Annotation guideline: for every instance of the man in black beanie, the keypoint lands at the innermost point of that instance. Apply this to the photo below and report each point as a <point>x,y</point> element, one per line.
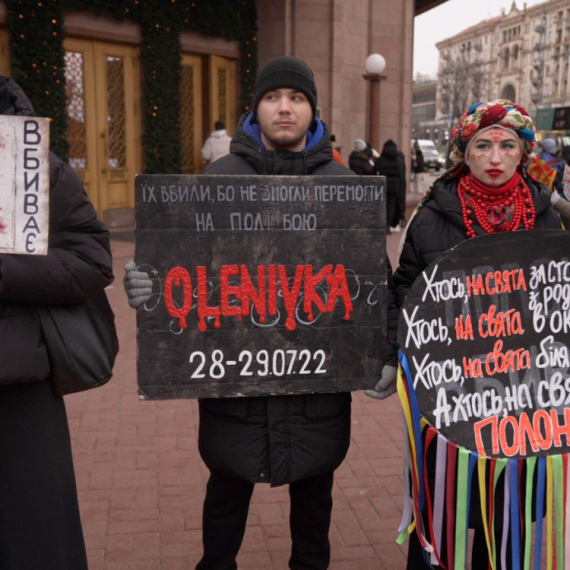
<point>299,439</point>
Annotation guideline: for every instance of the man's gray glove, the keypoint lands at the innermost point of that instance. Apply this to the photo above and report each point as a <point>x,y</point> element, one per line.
<point>138,286</point>
<point>386,386</point>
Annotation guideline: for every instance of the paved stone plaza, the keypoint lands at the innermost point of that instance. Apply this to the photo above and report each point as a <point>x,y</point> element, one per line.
<point>141,481</point>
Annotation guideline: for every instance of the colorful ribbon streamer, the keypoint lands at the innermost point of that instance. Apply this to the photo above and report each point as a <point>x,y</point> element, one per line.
<point>462,510</point>
<point>452,450</point>
<point>405,391</point>
<point>515,513</point>
<point>439,494</point>
<point>481,471</point>
<point>558,468</point>
<point>506,517</point>
<point>541,477</point>
<point>566,514</point>
<point>549,521</point>
<point>530,467</point>
<point>451,505</point>
<point>499,468</point>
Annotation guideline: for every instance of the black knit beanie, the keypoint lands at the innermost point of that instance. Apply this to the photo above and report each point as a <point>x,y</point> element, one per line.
<point>285,73</point>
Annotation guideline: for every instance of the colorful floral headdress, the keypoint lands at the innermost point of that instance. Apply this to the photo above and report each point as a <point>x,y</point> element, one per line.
<point>500,112</point>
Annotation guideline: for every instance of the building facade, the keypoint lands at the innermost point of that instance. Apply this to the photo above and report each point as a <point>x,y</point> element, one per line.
<point>425,125</point>
<point>521,55</point>
<point>107,101</point>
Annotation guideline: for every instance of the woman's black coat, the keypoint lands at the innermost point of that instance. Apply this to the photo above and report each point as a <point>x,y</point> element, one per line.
<point>439,226</point>
<point>388,164</point>
<point>78,265</point>
<point>359,163</point>
<point>433,230</point>
<point>40,525</point>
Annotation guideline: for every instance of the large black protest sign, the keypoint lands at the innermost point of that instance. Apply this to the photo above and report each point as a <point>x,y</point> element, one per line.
<point>262,285</point>
<point>486,334</point>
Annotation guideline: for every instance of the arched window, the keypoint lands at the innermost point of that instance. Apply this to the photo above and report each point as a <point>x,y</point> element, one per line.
<point>508,92</point>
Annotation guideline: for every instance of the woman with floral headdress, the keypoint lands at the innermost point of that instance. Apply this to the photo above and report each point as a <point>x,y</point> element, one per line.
<point>487,191</point>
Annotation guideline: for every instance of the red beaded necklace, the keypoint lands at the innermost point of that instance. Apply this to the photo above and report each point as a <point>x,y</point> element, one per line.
<point>496,209</point>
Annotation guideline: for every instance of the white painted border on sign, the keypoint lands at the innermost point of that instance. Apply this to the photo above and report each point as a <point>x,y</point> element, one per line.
<point>24,185</point>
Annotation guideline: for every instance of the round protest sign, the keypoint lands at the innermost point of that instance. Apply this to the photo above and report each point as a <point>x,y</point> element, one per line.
<point>485,331</point>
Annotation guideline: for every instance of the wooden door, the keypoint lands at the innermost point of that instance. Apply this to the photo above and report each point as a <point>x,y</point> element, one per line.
<point>104,133</point>
<point>223,92</point>
<point>191,113</point>
<point>116,69</point>
<point>81,113</point>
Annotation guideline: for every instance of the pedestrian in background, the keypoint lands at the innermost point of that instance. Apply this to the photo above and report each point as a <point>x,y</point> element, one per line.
<point>371,153</point>
<point>389,165</point>
<point>399,218</point>
<point>40,526</point>
<point>358,160</point>
<point>336,151</point>
<point>548,153</point>
<point>217,144</point>
<point>561,203</point>
<point>560,198</point>
<point>419,168</point>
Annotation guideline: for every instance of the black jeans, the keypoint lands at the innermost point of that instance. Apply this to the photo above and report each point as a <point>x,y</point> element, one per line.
<point>225,514</point>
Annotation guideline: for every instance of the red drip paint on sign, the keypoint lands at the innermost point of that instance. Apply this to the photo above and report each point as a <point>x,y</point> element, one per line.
<point>178,277</point>
<point>203,309</point>
<point>248,291</point>
<point>290,296</point>
<point>310,295</point>
<point>339,288</point>
<point>235,299</point>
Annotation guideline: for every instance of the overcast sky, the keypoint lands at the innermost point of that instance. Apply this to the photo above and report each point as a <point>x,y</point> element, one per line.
<point>449,19</point>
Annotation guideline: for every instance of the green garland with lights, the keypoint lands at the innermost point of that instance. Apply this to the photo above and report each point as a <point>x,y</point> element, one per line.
<point>36,37</point>
<point>161,60</point>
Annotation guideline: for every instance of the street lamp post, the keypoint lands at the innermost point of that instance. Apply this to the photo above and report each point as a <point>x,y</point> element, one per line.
<point>375,65</point>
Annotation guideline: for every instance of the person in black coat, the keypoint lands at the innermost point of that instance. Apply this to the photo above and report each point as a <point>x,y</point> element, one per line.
<point>388,164</point>
<point>400,213</point>
<point>40,527</point>
<point>489,148</point>
<point>358,160</point>
<point>298,439</point>
<point>419,164</point>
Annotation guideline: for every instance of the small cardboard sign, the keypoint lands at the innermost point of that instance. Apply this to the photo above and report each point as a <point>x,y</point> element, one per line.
<point>486,334</point>
<point>262,284</point>
<point>24,185</point>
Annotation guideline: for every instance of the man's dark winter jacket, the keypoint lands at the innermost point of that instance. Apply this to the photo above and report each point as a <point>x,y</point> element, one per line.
<point>280,439</point>
<point>359,163</point>
<point>78,266</point>
<point>439,226</point>
<point>388,164</point>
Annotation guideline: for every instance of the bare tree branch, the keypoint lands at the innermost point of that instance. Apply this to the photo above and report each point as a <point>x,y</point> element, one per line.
<point>460,85</point>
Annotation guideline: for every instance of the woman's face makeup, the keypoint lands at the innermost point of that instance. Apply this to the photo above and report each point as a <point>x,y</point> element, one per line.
<point>493,156</point>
